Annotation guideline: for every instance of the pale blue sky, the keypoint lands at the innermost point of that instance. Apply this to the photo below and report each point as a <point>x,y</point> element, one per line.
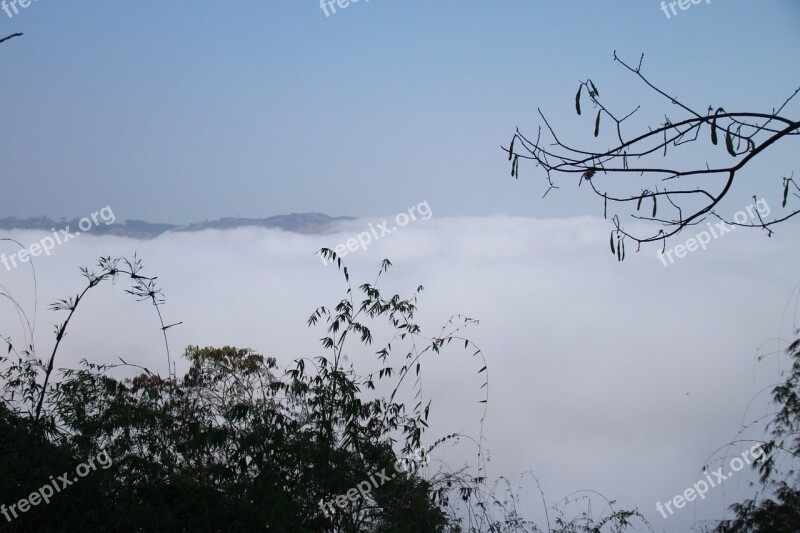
<point>182,111</point>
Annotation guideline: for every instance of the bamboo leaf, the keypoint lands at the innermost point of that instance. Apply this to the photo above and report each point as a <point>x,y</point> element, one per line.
<point>597,124</point>
<point>578,99</point>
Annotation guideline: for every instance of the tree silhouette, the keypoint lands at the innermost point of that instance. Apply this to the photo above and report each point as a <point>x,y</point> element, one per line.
<point>237,444</point>
<point>670,196</point>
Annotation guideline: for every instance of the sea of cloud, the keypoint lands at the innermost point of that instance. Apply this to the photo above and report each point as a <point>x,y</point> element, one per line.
<point>622,378</point>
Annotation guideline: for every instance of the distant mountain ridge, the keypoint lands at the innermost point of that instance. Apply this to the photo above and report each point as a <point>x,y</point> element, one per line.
<point>139,229</point>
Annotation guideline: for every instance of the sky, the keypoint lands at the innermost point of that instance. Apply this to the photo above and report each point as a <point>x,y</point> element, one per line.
<point>621,378</point>
<point>177,112</point>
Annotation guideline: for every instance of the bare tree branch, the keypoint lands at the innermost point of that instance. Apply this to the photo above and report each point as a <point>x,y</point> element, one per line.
<point>4,39</point>
<point>744,135</point>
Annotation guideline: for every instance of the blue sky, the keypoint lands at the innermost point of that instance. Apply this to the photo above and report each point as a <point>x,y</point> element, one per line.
<point>180,112</point>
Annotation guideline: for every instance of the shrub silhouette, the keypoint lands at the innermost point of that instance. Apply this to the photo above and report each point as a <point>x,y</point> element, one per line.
<point>238,444</point>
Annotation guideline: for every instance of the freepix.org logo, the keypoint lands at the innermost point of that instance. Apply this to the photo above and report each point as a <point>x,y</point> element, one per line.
<point>14,5</point>
<point>363,239</point>
<point>683,5</point>
<point>408,464</point>
<point>700,488</point>
<point>55,486</point>
<point>759,209</point>
<point>329,6</point>
<point>46,244</point>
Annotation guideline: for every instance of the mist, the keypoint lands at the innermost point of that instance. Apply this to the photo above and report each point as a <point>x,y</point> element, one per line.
<point>621,378</point>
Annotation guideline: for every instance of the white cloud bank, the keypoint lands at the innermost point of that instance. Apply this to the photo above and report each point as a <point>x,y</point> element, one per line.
<point>617,377</point>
